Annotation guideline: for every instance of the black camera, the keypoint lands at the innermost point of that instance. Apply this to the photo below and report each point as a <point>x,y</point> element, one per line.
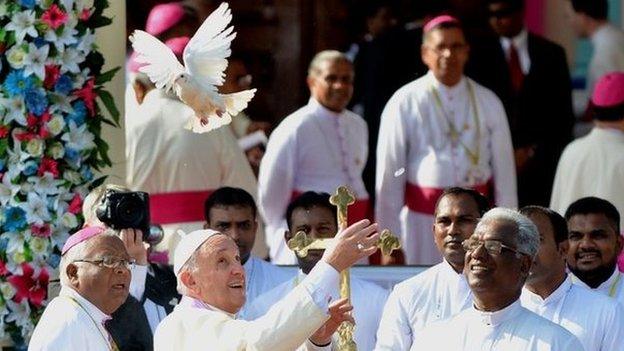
<point>123,210</point>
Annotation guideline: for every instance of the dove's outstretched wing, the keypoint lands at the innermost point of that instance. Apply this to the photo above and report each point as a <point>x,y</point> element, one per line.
<point>205,56</point>
<point>234,104</point>
<point>162,66</point>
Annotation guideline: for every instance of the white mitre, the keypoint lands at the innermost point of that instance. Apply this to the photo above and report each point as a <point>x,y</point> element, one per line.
<point>188,245</point>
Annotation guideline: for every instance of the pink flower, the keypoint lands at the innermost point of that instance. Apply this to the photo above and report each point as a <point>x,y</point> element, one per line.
<point>54,17</point>
<point>88,95</point>
<point>75,206</point>
<point>4,132</point>
<point>85,14</point>
<point>48,165</point>
<point>30,287</point>
<point>3,269</point>
<point>52,74</point>
<point>42,231</point>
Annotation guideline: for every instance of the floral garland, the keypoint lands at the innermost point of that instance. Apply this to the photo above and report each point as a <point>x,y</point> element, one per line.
<point>50,124</point>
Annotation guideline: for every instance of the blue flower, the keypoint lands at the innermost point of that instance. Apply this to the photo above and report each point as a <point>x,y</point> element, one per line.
<point>27,3</point>
<point>54,260</point>
<point>73,157</point>
<point>64,85</point>
<point>36,101</point>
<point>39,42</point>
<point>2,164</point>
<point>17,84</point>
<point>4,242</point>
<point>86,173</point>
<point>79,114</point>
<point>30,168</point>
<point>14,219</point>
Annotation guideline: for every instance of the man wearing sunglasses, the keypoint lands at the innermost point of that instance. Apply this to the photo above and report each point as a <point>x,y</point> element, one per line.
<point>498,259</point>
<point>95,279</point>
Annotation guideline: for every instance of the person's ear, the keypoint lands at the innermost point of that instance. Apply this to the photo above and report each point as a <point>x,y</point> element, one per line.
<point>525,267</point>
<point>287,235</point>
<point>563,249</point>
<point>206,225</point>
<point>189,281</point>
<point>71,271</point>
<point>619,243</point>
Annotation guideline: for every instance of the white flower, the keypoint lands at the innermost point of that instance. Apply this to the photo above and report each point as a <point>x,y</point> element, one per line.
<point>57,151</point>
<point>65,38</point>
<point>15,110</point>
<point>17,156</point>
<point>58,235</point>
<point>85,44</point>
<point>3,12</point>
<point>69,60</point>
<point>72,176</point>
<point>19,312</point>
<point>15,56</point>
<point>55,126</point>
<point>68,5</point>
<point>15,243</point>
<point>36,209</point>
<point>35,147</point>
<point>7,290</point>
<point>61,103</point>
<point>22,23</point>
<point>8,190</point>
<point>39,246</point>
<point>35,60</point>
<point>69,220</point>
<point>46,184</point>
<point>81,78</point>
<point>78,138</point>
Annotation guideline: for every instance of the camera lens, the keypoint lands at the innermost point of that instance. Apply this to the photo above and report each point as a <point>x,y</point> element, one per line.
<point>130,210</point>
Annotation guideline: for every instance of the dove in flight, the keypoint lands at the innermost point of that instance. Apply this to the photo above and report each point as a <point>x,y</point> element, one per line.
<point>196,82</point>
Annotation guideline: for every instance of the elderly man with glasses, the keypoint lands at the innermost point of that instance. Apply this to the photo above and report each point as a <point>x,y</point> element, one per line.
<point>95,279</point>
<point>498,260</point>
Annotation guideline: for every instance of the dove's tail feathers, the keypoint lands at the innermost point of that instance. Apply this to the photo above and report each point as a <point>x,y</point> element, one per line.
<point>236,102</point>
<point>194,123</point>
<point>162,67</point>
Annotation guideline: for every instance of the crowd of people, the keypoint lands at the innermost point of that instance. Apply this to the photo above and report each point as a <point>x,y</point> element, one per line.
<point>474,167</point>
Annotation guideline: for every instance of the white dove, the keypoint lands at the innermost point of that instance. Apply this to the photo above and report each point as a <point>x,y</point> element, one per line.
<point>195,83</point>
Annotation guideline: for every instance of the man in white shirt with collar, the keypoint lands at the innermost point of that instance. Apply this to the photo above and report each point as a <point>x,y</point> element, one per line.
<point>596,320</point>
<point>498,259</point>
<point>319,147</point>
<point>439,131</point>
<point>442,290</point>
<point>312,213</point>
<point>212,280</point>
<point>595,243</point>
<point>95,278</point>
<point>233,212</point>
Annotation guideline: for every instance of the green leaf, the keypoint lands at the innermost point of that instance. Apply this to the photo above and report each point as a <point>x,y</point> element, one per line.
<point>102,149</point>
<point>2,34</point>
<point>4,144</point>
<point>106,76</point>
<point>97,182</point>
<point>109,103</point>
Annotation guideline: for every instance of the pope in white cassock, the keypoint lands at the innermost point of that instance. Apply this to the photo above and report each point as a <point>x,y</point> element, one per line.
<point>498,259</point>
<point>438,131</point>
<point>442,290</point>
<point>319,147</point>
<point>95,278</point>
<point>312,213</point>
<point>212,280</point>
<point>596,320</point>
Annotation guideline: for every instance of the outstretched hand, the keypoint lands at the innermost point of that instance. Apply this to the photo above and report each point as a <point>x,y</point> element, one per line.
<point>352,244</point>
<point>339,312</point>
<point>133,241</point>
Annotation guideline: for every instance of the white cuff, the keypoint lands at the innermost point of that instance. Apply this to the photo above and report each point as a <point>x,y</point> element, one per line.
<point>137,283</point>
<point>322,281</point>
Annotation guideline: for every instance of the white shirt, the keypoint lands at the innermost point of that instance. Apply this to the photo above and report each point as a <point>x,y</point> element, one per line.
<point>195,326</point>
<point>71,323</point>
<point>520,42</point>
<point>415,147</point>
<point>312,149</point>
<point>591,166</point>
<point>154,312</point>
<point>612,287</point>
<point>514,328</point>
<point>597,321</point>
<point>435,294</point>
<point>367,300</point>
<point>260,277</point>
<point>608,54</point>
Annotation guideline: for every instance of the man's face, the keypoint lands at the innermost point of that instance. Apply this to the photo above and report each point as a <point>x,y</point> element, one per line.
<point>577,20</point>
<point>550,259</point>
<point>106,288</point>
<point>505,20</point>
<point>380,22</point>
<point>498,275</point>
<point>219,279</point>
<point>318,223</point>
<point>455,220</point>
<point>332,86</point>
<point>237,222</point>
<point>445,52</point>
<point>593,243</point>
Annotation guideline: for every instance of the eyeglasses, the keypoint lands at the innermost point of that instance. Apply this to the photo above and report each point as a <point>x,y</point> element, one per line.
<point>112,262</point>
<point>493,247</point>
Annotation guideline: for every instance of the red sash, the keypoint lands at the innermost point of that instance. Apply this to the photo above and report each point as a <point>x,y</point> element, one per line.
<point>178,207</point>
<point>423,199</point>
<point>359,210</point>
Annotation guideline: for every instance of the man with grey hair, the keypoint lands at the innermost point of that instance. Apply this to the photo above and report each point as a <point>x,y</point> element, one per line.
<point>498,259</point>
<point>317,148</point>
<point>95,278</point>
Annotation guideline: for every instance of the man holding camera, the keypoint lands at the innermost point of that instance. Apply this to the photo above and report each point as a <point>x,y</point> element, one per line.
<point>153,286</point>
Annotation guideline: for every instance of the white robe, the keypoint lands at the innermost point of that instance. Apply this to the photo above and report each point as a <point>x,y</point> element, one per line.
<point>312,149</point>
<point>597,321</point>
<point>71,323</point>
<point>197,326</point>
<point>367,300</point>
<point>612,287</point>
<point>591,166</point>
<point>435,294</point>
<point>415,148</point>
<point>260,277</point>
<point>163,157</point>
<point>513,328</point>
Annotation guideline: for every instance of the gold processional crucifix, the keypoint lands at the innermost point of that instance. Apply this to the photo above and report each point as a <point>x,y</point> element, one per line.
<point>301,243</point>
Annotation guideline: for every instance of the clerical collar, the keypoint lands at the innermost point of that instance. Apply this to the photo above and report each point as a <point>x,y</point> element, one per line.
<point>322,111</point>
<point>608,287</point>
<point>497,317</point>
<point>191,302</point>
<point>93,311</point>
<point>445,90</point>
<point>554,297</point>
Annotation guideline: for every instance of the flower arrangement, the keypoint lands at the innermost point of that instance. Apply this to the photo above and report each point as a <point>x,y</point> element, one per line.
<point>50,122</point>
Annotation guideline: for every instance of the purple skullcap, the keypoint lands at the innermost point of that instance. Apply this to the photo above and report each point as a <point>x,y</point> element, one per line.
<point>163,17</point>
<point>609,91</point>
<point>81,236</point>
<point>438,21</point>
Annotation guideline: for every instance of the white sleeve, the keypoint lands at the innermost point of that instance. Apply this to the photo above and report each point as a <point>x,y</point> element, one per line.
<point>137,281</point>
<point>391,166</point>
<point>613,329</point>
<point>558,197</point>
<point>395,332</point>
<point>503,161</point>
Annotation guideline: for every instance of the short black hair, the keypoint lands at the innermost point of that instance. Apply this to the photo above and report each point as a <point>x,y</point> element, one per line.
<point>514,4</point>
<point>372,7</point>
<point>558,223</point>
<point>228,196</point>
<point>596,9</point>
<point>594,205</point>
<point>483,205</point>
<point>613,113</point>
<point>308,200</point>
